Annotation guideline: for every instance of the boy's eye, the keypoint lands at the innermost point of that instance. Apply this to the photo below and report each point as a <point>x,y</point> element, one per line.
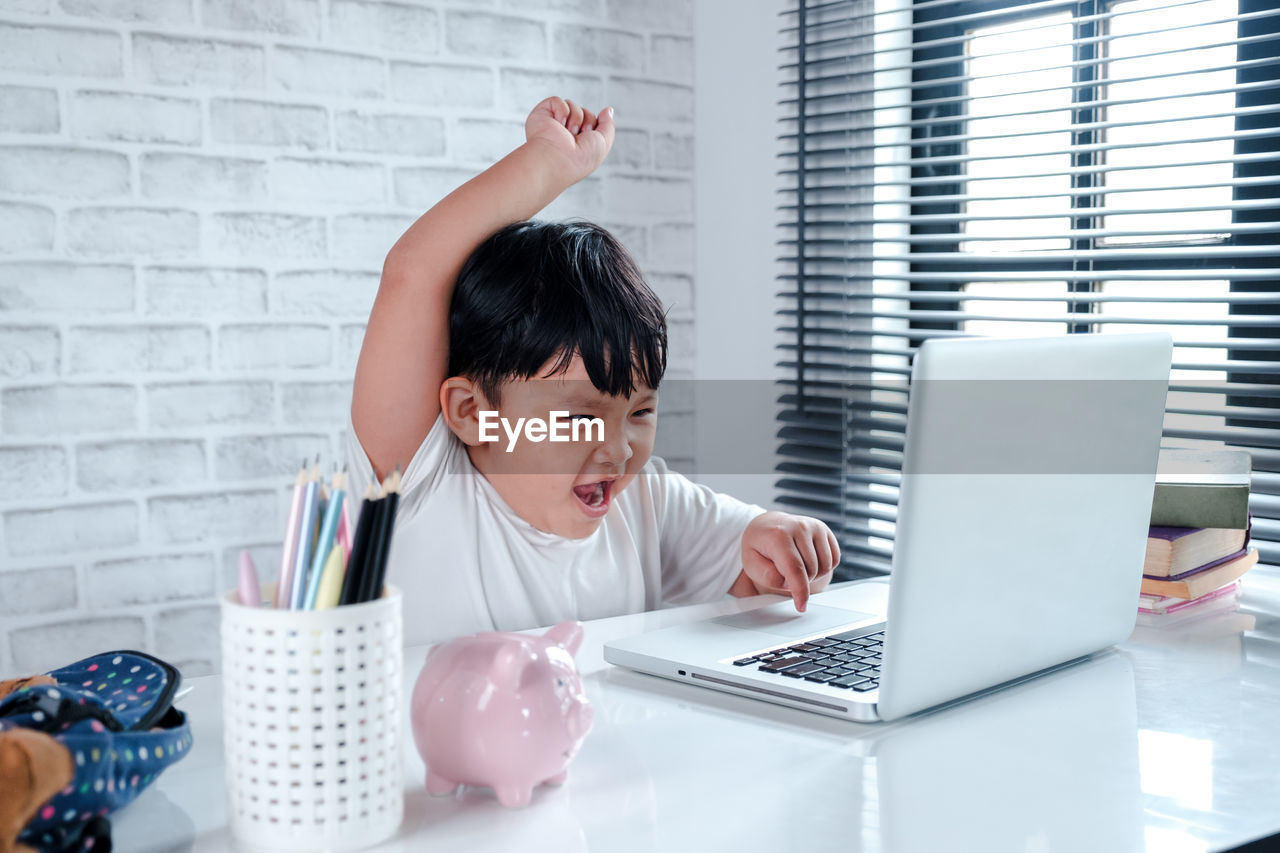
<point>640,413</point>
<point>581,417</point>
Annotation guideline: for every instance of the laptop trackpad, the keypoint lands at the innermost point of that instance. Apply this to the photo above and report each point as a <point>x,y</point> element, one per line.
<point>782,620</point>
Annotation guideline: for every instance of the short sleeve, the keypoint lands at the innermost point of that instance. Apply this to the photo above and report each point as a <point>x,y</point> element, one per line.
<point>700,531</point>
<point>438,455</point>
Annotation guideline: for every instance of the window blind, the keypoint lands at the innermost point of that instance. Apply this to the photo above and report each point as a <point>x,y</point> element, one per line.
<point>994,167</point>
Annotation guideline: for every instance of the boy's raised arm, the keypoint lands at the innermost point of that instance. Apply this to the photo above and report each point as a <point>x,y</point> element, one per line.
<point>406,345</point>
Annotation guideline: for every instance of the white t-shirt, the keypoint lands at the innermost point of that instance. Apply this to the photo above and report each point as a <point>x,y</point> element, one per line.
<point>466,562</point>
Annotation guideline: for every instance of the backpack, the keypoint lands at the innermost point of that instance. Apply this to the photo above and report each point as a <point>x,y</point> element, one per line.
<point>113,715</point>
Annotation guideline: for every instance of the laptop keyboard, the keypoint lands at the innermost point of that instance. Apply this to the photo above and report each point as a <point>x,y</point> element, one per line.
<point>850,660</point>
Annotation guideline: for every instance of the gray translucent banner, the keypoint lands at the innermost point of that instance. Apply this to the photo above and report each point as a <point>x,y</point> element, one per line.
<point>958,426</point>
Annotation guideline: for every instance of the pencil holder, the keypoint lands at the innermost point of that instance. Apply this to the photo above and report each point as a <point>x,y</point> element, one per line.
<point>311,709</point>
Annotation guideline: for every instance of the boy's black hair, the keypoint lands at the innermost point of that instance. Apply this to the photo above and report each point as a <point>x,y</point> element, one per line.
<point>534,291</point>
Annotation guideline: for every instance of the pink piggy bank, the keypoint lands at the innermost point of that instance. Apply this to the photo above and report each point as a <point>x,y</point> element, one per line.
<point>501,709</point>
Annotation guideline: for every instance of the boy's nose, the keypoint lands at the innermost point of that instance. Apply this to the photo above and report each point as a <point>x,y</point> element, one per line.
<point>615,449</point>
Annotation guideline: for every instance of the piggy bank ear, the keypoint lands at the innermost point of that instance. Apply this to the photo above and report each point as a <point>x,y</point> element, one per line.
<point>566,635</point>
<point>508,667</point>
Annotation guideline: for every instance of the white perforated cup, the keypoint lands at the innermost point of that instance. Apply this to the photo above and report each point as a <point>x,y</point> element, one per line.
<point>311,710</point>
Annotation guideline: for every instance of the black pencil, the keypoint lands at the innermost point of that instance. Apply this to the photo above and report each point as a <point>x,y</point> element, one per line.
<point>353,578</point>
<point>375,569</point>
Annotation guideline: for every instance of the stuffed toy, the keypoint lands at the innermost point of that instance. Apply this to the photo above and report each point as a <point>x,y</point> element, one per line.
<point>33,767</point>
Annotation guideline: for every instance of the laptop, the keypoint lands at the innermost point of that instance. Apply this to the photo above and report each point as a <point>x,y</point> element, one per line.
<point>1028,469</point>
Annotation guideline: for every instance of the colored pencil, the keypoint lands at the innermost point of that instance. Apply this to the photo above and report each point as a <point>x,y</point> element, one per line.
<point>289,552</point>
<point>344,531</point>
<point>306,538</point>
<point>331,583</point>
<point>250,592</point>
<point>324,541</point>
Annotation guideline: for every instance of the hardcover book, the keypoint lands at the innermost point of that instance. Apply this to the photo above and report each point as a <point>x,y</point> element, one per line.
<point>1202,488</point>
<point>1203,580</point>
<point>1166,604</point>
<point>1176,551</point>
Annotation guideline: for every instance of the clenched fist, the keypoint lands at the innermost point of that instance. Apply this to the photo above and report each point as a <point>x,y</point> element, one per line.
<point>578,136</point>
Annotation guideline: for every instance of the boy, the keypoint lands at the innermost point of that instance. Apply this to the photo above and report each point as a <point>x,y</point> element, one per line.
<point>483,318</point>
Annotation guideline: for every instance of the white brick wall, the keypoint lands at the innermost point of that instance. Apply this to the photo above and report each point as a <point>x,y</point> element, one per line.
<point>195,200</point>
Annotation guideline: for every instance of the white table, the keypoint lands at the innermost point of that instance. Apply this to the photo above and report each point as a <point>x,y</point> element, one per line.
<point>1169,743</point>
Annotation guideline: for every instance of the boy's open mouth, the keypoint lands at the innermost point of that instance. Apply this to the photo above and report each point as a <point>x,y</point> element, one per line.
<point>594,497</point>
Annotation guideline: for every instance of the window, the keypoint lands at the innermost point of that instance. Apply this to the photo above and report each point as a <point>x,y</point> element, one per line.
<point>1005,167</point>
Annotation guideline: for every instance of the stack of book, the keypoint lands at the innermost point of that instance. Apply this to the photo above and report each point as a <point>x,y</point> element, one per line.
<point>1198,544</point>
<point>1186,565</point>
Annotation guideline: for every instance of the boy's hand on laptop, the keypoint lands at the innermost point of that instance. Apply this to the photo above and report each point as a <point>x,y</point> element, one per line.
<point>579,137</point>
<point>788,554</point>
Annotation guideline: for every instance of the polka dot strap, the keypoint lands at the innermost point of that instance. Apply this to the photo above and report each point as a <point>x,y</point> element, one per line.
<point>52,709</point>
<point>136,687</point>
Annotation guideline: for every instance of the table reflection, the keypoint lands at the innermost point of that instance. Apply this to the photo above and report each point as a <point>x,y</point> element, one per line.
<point>992,767</point>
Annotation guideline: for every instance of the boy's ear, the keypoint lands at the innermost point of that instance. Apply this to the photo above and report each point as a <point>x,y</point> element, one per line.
<point>461,402</point>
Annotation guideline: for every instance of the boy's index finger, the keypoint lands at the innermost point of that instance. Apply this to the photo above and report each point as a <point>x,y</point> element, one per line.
<point>790,565</point>
<point>800,594</point>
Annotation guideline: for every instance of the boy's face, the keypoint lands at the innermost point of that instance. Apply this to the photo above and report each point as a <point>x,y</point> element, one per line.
<point>566,488</point>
